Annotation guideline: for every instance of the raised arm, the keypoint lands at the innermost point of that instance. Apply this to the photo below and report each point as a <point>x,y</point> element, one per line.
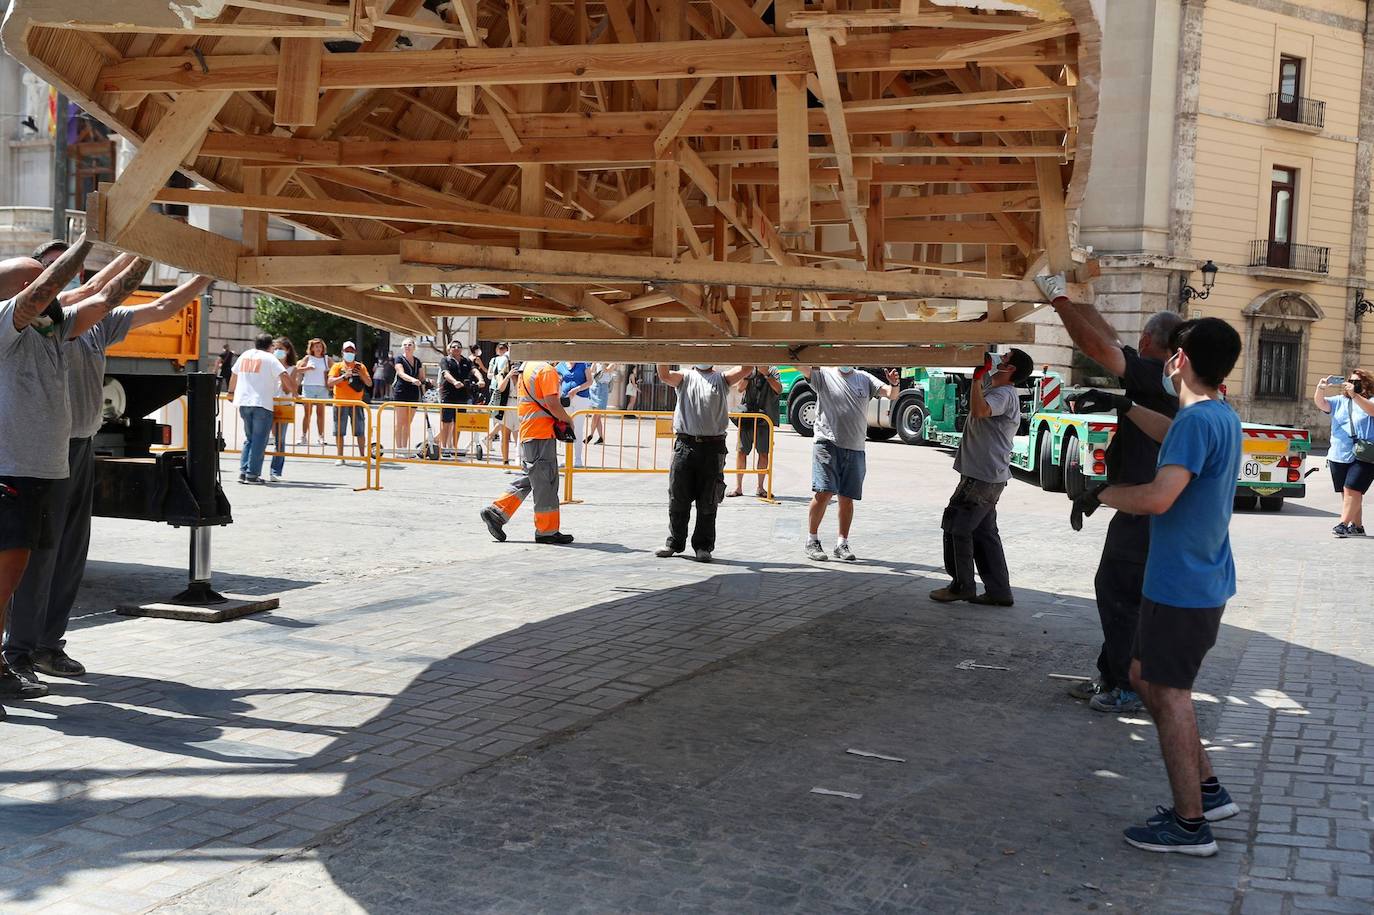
<point>670,378</point>
<point>893,386</point>
<point>169,303</point>
<point>1088,330</point>
<point>737,374</point>
<point>1364,403</point>
<point>43,291</point>
<point>94,284</point>
<point>91,311</point>
<point>1319,398</point>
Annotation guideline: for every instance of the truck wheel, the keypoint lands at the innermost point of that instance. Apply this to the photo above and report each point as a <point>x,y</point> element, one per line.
<point>1271,503</point>
<point>1245,502</point>
<point>1051,474</point>
<point>879,434</point>
<point>1072,463</point>
<point>801,413</point>
<point>911,421</point>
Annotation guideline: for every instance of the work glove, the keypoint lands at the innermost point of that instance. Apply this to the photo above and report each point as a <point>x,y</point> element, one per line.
<point>1085,505</point>
<point>983,369</point>
<point>1054,287</point>
<point>1095,401</point>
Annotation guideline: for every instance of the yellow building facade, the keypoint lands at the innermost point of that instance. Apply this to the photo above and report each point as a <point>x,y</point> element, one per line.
<point>1240,132</point>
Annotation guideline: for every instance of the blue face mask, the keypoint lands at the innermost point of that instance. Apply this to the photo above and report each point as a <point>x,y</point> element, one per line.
<point>704,368</point>
<point>846,368</point>
<point>279,353</point>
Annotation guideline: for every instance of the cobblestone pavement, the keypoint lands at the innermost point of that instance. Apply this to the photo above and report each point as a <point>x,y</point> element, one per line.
<point>434,722</point>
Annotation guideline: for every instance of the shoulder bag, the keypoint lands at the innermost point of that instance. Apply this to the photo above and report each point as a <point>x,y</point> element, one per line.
<point>561,430</point>
<point>1364,448</point>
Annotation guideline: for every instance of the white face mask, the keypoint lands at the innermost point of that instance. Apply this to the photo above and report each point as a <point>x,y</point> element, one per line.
<point>704,368</point>
<point>1168,381</point>
<point>348,357</point>
<point>279,353</point>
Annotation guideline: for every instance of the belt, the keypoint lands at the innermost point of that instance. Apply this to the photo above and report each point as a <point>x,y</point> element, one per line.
<point>701,439</point>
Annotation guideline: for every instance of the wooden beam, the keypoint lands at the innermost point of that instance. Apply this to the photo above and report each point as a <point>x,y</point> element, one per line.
<point>951,173</point>
<point>298,82</point>
<point>746,354</point>
<point>793,332</point>
<point>1054,221</point>
<point>579,298</point>
<point>794,167</point>
<point>666,180</point>
<point>176,135</point>
<point>980,232</point>
<point>1000,97</point>
<point>171,241</point>
<point>670,130</point>
<point>455,216</point>
<point>833,103</point>
<point>653,269</point>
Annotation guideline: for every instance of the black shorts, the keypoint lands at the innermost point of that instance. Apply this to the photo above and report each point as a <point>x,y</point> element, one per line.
<point>1170,642</point>
<point>26,521</point>
<point>753,436</point>
<point>1357,475</point>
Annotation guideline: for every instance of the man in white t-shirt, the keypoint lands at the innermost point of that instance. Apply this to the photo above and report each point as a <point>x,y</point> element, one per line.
<point>254,386</point>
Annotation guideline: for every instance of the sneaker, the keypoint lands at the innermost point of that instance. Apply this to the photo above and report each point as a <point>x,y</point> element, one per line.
<point>1084,690</point>
<point>274,478</point>
<point>340,463</point>
<point>1341,530</point>
<point>496,525</point>
<point>556,537</point>
<point>949,595</point>
<point>703,556</point>
<point>1354,530</point>
<point>478,452</point>
<point>243,478</point>
<point>815,551</point>
<point>844,553</point>
<point>20,682</point>
<point>3,714</point>
<point>1163,834</point>
<point>254,480</point>
<point>664,552</point>
<point>55,662</point>
<point>1219,805</point>
<point>1053,287</point>
<point>1117,701</point>
<point>986,601</point>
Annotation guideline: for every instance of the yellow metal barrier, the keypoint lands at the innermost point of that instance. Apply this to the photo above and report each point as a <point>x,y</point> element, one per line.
<point>479,421</point>
<point>646,438</point>
<point>232,432</point>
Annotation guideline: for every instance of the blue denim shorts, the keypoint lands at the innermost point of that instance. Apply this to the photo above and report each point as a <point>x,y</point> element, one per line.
<point>838,470</point>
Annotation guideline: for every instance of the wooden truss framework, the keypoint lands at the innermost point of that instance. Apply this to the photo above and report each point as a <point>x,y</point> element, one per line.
<point>643,176</point>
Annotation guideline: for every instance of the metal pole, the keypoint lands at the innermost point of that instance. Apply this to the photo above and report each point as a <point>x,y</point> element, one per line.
<point>200,558</point>
<point>59,171</point>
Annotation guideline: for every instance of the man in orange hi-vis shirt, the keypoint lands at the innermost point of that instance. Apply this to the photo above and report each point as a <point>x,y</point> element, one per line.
<point>539,407</point>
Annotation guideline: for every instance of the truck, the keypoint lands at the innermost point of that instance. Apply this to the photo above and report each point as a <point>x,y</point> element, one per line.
<point>903,416</point>
<point>138,474</point>
<point>1067,452</point>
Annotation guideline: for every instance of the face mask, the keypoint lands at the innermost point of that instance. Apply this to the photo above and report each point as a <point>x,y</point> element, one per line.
<point>348,357</point>
<point>846,368</point>
<point>704,368</point>
<point>279,353</point>
<point>1169,382</point>
<point>46,321</point>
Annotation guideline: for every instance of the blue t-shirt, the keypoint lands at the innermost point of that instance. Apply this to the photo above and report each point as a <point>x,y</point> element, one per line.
<point>571,375</point>
<point>1342,449</point>
<point>1190,563</point>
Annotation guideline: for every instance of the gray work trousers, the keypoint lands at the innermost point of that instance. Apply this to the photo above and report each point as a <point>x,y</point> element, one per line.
<point>972,541</point>
<point>43,604</point>
<point>539,475</point>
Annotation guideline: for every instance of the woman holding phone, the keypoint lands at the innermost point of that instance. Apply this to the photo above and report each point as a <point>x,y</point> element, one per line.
<point>313,368</point>
<point>1352,421</point>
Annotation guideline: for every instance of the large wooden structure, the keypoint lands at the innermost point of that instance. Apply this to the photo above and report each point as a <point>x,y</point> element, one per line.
<point>761,176</point>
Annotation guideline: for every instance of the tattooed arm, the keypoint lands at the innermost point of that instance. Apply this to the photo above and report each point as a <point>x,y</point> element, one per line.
<point>42,292</point>
<point>94,284</point>
<point>91,311</point>
<point>170,303</point>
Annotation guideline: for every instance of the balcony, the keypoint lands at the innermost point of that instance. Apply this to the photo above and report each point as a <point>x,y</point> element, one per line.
<point>1296,112</point>
<point>1281,259</point>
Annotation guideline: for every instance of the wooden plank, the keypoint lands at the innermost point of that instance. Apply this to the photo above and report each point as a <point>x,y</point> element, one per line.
<point>1054,221</point>
<point>1011,40</point>
<point>742,16</point>
<point>430,215</point>
<point>806,331</point>
<point>171,241</point>
<point>182,127</point>
<point>649,269</point>
<point>746,354</point>
<point>794,183</point>
<point>298,82</point>
<point>1000,97</point>
<point>670,130</point>
<point>833,103</point>
<point>578,297</point>
<point>981,232</point>
<point>267,151</point>
<point>666,181</point>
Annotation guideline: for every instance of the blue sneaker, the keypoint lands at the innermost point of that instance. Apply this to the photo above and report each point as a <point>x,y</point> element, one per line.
<point>1219,806</point>
<point>1162,833</point>
<point>1117,701</point>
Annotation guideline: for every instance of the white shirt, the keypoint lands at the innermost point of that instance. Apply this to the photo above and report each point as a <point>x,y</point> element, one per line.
<point>258,373</point>
<point>315,369</point>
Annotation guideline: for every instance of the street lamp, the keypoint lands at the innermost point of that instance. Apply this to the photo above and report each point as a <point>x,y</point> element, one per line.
<point>1209,279</point>
<point>1362,305</point>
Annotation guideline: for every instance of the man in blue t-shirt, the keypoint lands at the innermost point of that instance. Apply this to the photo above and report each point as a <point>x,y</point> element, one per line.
<point>1189,574</point>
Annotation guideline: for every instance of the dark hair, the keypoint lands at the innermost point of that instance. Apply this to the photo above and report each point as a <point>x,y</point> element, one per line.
<point>48,247</point>
<point>263,342</point>
<point>286,344</point>
<point>1212,346</point>
<point>1024,364</point>
<point>1365,385</point>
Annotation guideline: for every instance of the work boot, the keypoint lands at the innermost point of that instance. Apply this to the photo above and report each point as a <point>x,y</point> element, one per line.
<point>495,524</point>
<point>703,556</point>
<point>556,537</point>
<point>948,595</point>
<point>55,662</point>
<point>664,552</point>
<point>20,682</point>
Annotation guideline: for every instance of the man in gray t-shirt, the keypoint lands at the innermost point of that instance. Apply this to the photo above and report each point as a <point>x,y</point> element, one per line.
<point>697,474</point>
<point>838,462</point>
<point>983,462</point>
<point>43,603</point>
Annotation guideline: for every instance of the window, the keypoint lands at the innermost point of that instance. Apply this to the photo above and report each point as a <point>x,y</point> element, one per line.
<point>1283,184</point>
<point>1290,88</point>
<point>1280,356</point>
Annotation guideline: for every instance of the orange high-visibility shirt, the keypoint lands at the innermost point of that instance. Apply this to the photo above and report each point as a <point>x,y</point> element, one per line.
<point>538,380</point>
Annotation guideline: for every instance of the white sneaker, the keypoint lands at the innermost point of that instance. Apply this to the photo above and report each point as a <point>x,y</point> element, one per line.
<point>340,463</point>
<point>274,478</point>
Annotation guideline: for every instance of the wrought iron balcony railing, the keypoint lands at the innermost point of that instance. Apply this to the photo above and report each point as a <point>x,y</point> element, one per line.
<point>1287,256</point>
<point>1296,110</point>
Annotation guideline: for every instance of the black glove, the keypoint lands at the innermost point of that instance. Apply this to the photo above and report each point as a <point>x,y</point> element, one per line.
<point>1085,505</point>
<point>1095,401</point>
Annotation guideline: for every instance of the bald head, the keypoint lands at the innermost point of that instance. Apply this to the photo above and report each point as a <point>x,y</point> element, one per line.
<point>16,273</point>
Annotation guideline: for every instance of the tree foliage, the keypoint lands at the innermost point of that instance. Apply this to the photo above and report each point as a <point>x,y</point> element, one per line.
<point>300,323</point>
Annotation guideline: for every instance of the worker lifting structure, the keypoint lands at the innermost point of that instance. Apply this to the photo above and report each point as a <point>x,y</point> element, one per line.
<point>656,180</point>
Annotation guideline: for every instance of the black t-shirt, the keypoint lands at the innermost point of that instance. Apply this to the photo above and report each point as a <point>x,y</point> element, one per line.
<point>1132,455</point>
<point>460,369</point>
